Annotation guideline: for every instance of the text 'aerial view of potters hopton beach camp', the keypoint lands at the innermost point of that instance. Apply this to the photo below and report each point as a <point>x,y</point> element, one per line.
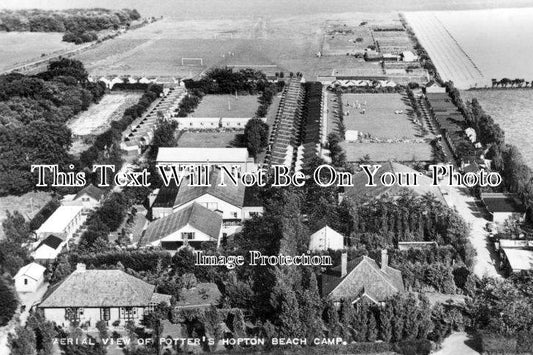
<point>266,177</point>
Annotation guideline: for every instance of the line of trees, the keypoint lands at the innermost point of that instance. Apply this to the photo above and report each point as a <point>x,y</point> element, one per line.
<point>79,25</point>
<point>506,158</point>
<point>106,146</point>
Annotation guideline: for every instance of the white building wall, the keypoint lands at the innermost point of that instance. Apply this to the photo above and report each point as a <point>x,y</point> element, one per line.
<point>92,316</point>
<point>228,211</point>
<point>325,242</point>
<point>31,285</point>
<point>176,236</point>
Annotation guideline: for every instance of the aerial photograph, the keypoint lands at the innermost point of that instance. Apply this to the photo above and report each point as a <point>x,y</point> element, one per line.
<point>266,177</point>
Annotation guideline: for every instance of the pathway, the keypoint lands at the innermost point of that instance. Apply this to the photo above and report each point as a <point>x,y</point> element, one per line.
<point>468,208</point>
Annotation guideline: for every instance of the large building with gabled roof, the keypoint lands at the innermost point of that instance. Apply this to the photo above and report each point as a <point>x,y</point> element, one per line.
<point>88,296</point>
<point>361,279</point>
<point>191,225</point>
<point>229,200</point>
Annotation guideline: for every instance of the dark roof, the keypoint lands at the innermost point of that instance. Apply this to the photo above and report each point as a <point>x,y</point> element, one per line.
<point>363,276</point>
<point>234,195</point>
<point>196,215</point>
<point>99,288</point>
<point>52,241</point>
<point>502,202</point>
<point>165,197</point>
<point>92,191</point>
<point>252,198</point>
<point>202,295</point>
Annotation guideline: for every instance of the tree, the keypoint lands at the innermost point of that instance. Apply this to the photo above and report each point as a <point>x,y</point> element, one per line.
<point>15,227</point>
<point>164,134</point>
<point>385,326</point>
<point>103,332</point>
<point>8,301</point>
<point>44,332</point>
<point>22,342</point>
<point>256,136</point>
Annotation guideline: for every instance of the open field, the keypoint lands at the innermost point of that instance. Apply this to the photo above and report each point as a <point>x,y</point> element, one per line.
<point>28,204</point>
<point>96,119</point>
<point>213,139</point>
<point>512,110</point>
<point>269,44</point>
<point>387,151</point>
<point>24,47</point>
<point>472,47</point>
<point>379,119</point>
<point>226,106</point>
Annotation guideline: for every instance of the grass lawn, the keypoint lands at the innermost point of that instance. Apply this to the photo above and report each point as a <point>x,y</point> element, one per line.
<point>226,106</point>
<point>379,119</point>
<point>212,139</point>
<point>28,204</point>
<point>380,152</point>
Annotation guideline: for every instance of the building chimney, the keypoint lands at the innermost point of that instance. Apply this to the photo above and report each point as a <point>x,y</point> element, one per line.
<point>80,267</point>
<point>344,264</point>
<point>384,260</point>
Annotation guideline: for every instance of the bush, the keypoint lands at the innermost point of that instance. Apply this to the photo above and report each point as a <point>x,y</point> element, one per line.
<point>8,301</point>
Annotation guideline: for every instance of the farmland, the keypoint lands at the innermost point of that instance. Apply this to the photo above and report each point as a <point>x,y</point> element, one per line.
<point>385,116</point>
<point>227,106</point>
<point>380,152</point>
<point>210,139</point>
<point>512,110</point>
<point>24,47</point>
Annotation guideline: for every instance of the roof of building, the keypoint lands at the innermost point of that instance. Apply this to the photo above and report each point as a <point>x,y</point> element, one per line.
<point>92,191</point>
<point>99,288</point>
<point>502,202</point>
<point>363,277</point>
<point>195,215</point>
<point>165,197</point>
<point>51,241</point>
<point>230,193</point>
<point>360,180</point>
<point>252,197</point>
<point>60,219</point>
<point>202,295</point>
<point>32,270</point>
<point>203,155</point>
<point>326,232</point>
<point>519,259</point>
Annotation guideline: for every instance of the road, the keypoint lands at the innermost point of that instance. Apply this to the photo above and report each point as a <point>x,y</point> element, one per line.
<point>457,343</point>
<point>467,207</point>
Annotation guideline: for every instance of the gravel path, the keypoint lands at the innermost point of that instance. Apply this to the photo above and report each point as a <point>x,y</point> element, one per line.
<point>467,207</point>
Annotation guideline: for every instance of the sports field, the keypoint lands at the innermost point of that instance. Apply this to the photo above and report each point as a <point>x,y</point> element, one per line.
<point>383,116</point>
<point>226,106</point>
<point>380,152</point>
<point>212,139</point>
<point>288,43</point>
